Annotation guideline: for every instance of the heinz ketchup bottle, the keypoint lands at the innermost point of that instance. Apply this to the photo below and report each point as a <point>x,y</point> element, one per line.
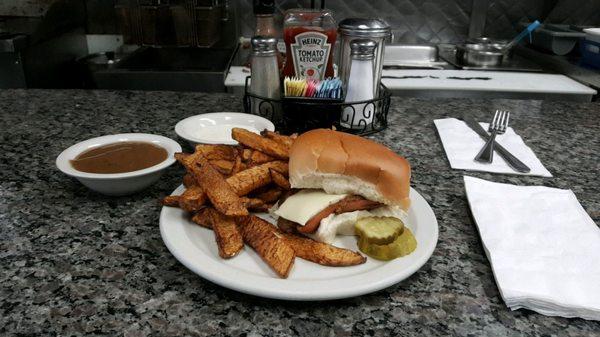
<point>309,36</point>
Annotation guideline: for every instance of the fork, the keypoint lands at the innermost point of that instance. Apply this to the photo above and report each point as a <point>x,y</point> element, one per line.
<point>497,126</point>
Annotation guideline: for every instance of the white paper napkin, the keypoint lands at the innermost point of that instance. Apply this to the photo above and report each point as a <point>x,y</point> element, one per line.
<point>543,247</point>
<point>462,145</point>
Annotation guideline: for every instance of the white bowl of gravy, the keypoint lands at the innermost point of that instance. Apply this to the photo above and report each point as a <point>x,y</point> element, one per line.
<point>119,164</point>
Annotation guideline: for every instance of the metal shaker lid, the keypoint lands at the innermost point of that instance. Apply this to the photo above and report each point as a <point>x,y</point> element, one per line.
<point>362,49</point>
<point>263,45</point>
<point>363,27</point>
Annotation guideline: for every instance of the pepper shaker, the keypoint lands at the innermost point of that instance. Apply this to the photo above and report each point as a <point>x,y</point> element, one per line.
<point>360,85</point>
<point>265,77</point>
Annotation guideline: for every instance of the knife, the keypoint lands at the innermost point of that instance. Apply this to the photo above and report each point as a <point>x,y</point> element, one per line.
<point>513,161</point>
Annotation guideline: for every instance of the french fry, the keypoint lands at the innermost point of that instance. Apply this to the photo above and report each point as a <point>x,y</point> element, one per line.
<point>189,180</point>
<point>270,195</point>
<point>224,167</point>
<point>209,151</point>
<point>221,194</point>
<point>248,180</point>
<point>246,154</point>
<point>171,201</point>
<point>254,141</point>
<point>183,158</point>
<point>286,141</point>
<point>216,152</point>
<point>242,183</point>
<point>255,204</point>
<point>192,199</point>
<point>257,158</point>
<point>322,253</point>
<point>238,166</point>
<point>268,243</point>
<point>228,237</point>
<point>202,218</point>
<point>279,179</point>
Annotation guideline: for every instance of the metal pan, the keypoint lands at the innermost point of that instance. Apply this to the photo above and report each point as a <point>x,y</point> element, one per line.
<point>494,43</point>
<point>479,54</point>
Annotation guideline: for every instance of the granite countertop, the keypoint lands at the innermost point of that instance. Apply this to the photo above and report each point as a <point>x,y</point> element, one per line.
<point>78,263</point>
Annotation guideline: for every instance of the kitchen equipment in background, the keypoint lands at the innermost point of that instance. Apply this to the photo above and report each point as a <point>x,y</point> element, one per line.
<point>175,36</point>
<point>38,49</point>
<point>592,34</point>
<point>362,28</point>
<point>207,23</point>
<point>590,47</point>
<point>360,85</point>
<point>496,43</point>
<point>192,23</point>
<point>486,52</point>
<point>95,62</point>
<point>526,32</point>
<point>557,39</point>
<point>412,56</point>
<point>479,55</point>
<point>265,76</point>
<point>168,68</point>
<point>511,63</point>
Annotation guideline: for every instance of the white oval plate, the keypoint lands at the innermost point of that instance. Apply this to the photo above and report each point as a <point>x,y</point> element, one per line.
<point>215,128</point>
<point>195,247</point>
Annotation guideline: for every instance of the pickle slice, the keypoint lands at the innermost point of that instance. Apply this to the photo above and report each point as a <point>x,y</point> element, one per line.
<point>379,230</point>
<point>404,244</point>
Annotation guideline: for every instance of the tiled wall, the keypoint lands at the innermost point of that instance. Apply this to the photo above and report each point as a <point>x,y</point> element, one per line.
<point>412,20</point>
<point>416,21</point>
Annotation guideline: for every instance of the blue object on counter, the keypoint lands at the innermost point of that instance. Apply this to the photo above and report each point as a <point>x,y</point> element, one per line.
<point>533,26</point>
<point>590,52</point>
<point>527,31</point>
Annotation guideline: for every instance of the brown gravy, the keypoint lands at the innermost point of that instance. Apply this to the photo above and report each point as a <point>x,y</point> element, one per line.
<point>119,157</point>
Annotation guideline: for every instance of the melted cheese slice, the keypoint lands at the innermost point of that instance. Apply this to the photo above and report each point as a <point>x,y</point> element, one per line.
<point>305,204</point>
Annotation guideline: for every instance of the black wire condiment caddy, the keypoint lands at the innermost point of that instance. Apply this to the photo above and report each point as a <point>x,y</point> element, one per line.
<point>300,114</point>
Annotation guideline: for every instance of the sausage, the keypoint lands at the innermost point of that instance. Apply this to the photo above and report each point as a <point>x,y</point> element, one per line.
<point>348,204</point>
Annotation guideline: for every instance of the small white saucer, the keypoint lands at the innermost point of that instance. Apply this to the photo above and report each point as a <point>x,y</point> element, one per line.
<point>215,128</point>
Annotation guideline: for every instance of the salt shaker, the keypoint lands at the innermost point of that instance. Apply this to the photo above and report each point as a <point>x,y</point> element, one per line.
<point>265,77</point>
<point>360,85</point>
<point>362,28</point>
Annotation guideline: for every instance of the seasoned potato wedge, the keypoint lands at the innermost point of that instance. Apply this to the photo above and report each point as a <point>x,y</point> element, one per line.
<point>248,180</point>
<point>279,179</point>
<point>286,141</point>
<point>171,201</point>
<point>228,237</point>
<point>268,243</point>
<point>322,253</point>
<point>220,193</point>
<point>254,141</point>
